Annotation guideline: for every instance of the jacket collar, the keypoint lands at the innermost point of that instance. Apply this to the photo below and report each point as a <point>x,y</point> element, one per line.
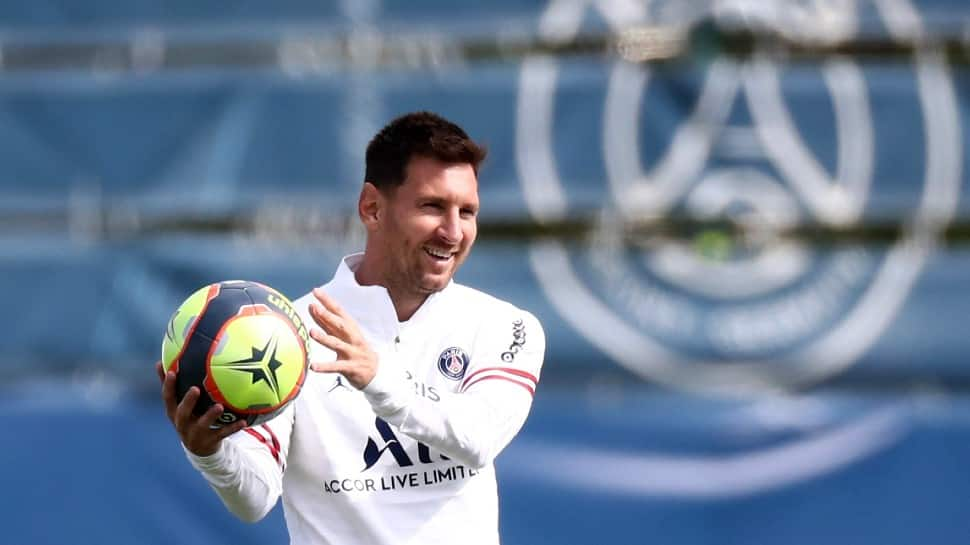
<point>371,306</point>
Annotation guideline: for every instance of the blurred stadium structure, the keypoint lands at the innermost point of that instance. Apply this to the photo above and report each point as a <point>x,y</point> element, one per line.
<point>742,224</point>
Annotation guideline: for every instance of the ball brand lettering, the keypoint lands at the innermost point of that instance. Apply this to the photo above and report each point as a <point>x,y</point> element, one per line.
<point>518,341</point>
<point>281,304</point>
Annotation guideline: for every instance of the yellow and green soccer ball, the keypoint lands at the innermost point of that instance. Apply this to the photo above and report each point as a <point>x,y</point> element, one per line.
<point>243,345</point>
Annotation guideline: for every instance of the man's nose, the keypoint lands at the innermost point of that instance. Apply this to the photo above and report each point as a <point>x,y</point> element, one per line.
<point>450,228</point>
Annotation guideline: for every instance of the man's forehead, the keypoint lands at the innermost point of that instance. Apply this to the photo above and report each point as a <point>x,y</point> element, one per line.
<point>422,166</point>
<point>458,178</point>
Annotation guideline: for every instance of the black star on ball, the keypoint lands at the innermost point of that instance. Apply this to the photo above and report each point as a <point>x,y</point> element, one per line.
<point>261,366</point>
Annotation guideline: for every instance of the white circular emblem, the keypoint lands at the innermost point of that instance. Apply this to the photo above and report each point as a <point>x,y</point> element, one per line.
<point>717,315</point>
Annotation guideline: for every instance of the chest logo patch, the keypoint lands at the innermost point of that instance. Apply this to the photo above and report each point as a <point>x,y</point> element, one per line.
<point>453,362</point>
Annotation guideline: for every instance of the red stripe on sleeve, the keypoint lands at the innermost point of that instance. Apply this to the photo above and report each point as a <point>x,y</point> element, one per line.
<point>510,370</point>
<point>276,443</point>
<point>273,449</point>
<point>531,390</point>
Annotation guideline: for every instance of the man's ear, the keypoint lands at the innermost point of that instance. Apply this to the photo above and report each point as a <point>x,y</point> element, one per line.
<point>370,205</point>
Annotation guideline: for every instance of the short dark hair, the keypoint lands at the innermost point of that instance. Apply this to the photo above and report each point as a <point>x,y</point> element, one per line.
<point>417,134</point>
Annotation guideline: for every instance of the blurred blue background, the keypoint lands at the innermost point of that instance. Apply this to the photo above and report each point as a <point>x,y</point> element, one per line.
<point>757,334</point>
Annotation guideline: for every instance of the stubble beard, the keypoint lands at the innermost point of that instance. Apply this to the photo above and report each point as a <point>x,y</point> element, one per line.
<point>407,280</point>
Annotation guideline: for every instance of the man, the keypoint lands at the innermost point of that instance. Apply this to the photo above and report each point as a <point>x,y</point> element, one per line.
<point>420,382</point>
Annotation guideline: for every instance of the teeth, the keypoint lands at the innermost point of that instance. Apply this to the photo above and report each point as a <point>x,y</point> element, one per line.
<point>438,253</point>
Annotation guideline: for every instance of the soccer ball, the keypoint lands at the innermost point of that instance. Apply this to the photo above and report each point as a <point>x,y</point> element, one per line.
<point>243,345</point>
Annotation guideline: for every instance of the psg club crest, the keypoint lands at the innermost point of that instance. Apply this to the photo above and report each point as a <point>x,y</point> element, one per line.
<point>453,362</point>
<point>727,140</point>
<point>761,311</point>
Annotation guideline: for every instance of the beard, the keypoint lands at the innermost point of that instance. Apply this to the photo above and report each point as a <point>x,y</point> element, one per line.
<point>410,276</point>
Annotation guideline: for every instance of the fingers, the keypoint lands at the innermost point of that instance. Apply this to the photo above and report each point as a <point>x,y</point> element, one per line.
<point>226,431</point>
<point>168,395</point>
<point>328,315</point>
<point>328,303</point>
<point>329,321</point>
<point>197,433</point>
<point>207,423</point>
<point>211,415</point>
<point>340,333</point>
<point>328,367</point>
<point>358,377</point>
<point>183,413</point>
<point>341,347</point>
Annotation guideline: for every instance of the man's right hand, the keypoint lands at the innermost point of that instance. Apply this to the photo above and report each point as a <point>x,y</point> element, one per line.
<point>195,431</point>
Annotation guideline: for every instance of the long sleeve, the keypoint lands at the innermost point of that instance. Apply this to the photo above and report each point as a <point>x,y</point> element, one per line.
<point>247,470</point>
<point>475,423</point>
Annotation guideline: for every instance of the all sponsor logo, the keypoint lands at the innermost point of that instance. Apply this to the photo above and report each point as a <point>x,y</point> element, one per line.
<point>421,468</point>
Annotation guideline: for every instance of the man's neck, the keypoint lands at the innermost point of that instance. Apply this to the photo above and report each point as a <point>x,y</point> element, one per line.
<point>405,302</point>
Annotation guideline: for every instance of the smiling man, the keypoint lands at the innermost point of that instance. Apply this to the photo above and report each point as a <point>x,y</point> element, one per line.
<point>421,230</point>
<point>441,376</point>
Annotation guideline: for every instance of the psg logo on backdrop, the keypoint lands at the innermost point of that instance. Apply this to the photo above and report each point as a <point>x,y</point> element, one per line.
<point>727,140</point>
<point>453,362</point>
<point>711,311</point>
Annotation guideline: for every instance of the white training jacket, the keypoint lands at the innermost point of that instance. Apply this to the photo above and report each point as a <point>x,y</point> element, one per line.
<point>409,458</point>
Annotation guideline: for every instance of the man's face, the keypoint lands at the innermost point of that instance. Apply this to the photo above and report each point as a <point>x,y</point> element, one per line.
<point>428,226</point>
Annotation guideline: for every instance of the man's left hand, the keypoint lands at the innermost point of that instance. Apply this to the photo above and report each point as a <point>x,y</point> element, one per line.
<point>340,333</point>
